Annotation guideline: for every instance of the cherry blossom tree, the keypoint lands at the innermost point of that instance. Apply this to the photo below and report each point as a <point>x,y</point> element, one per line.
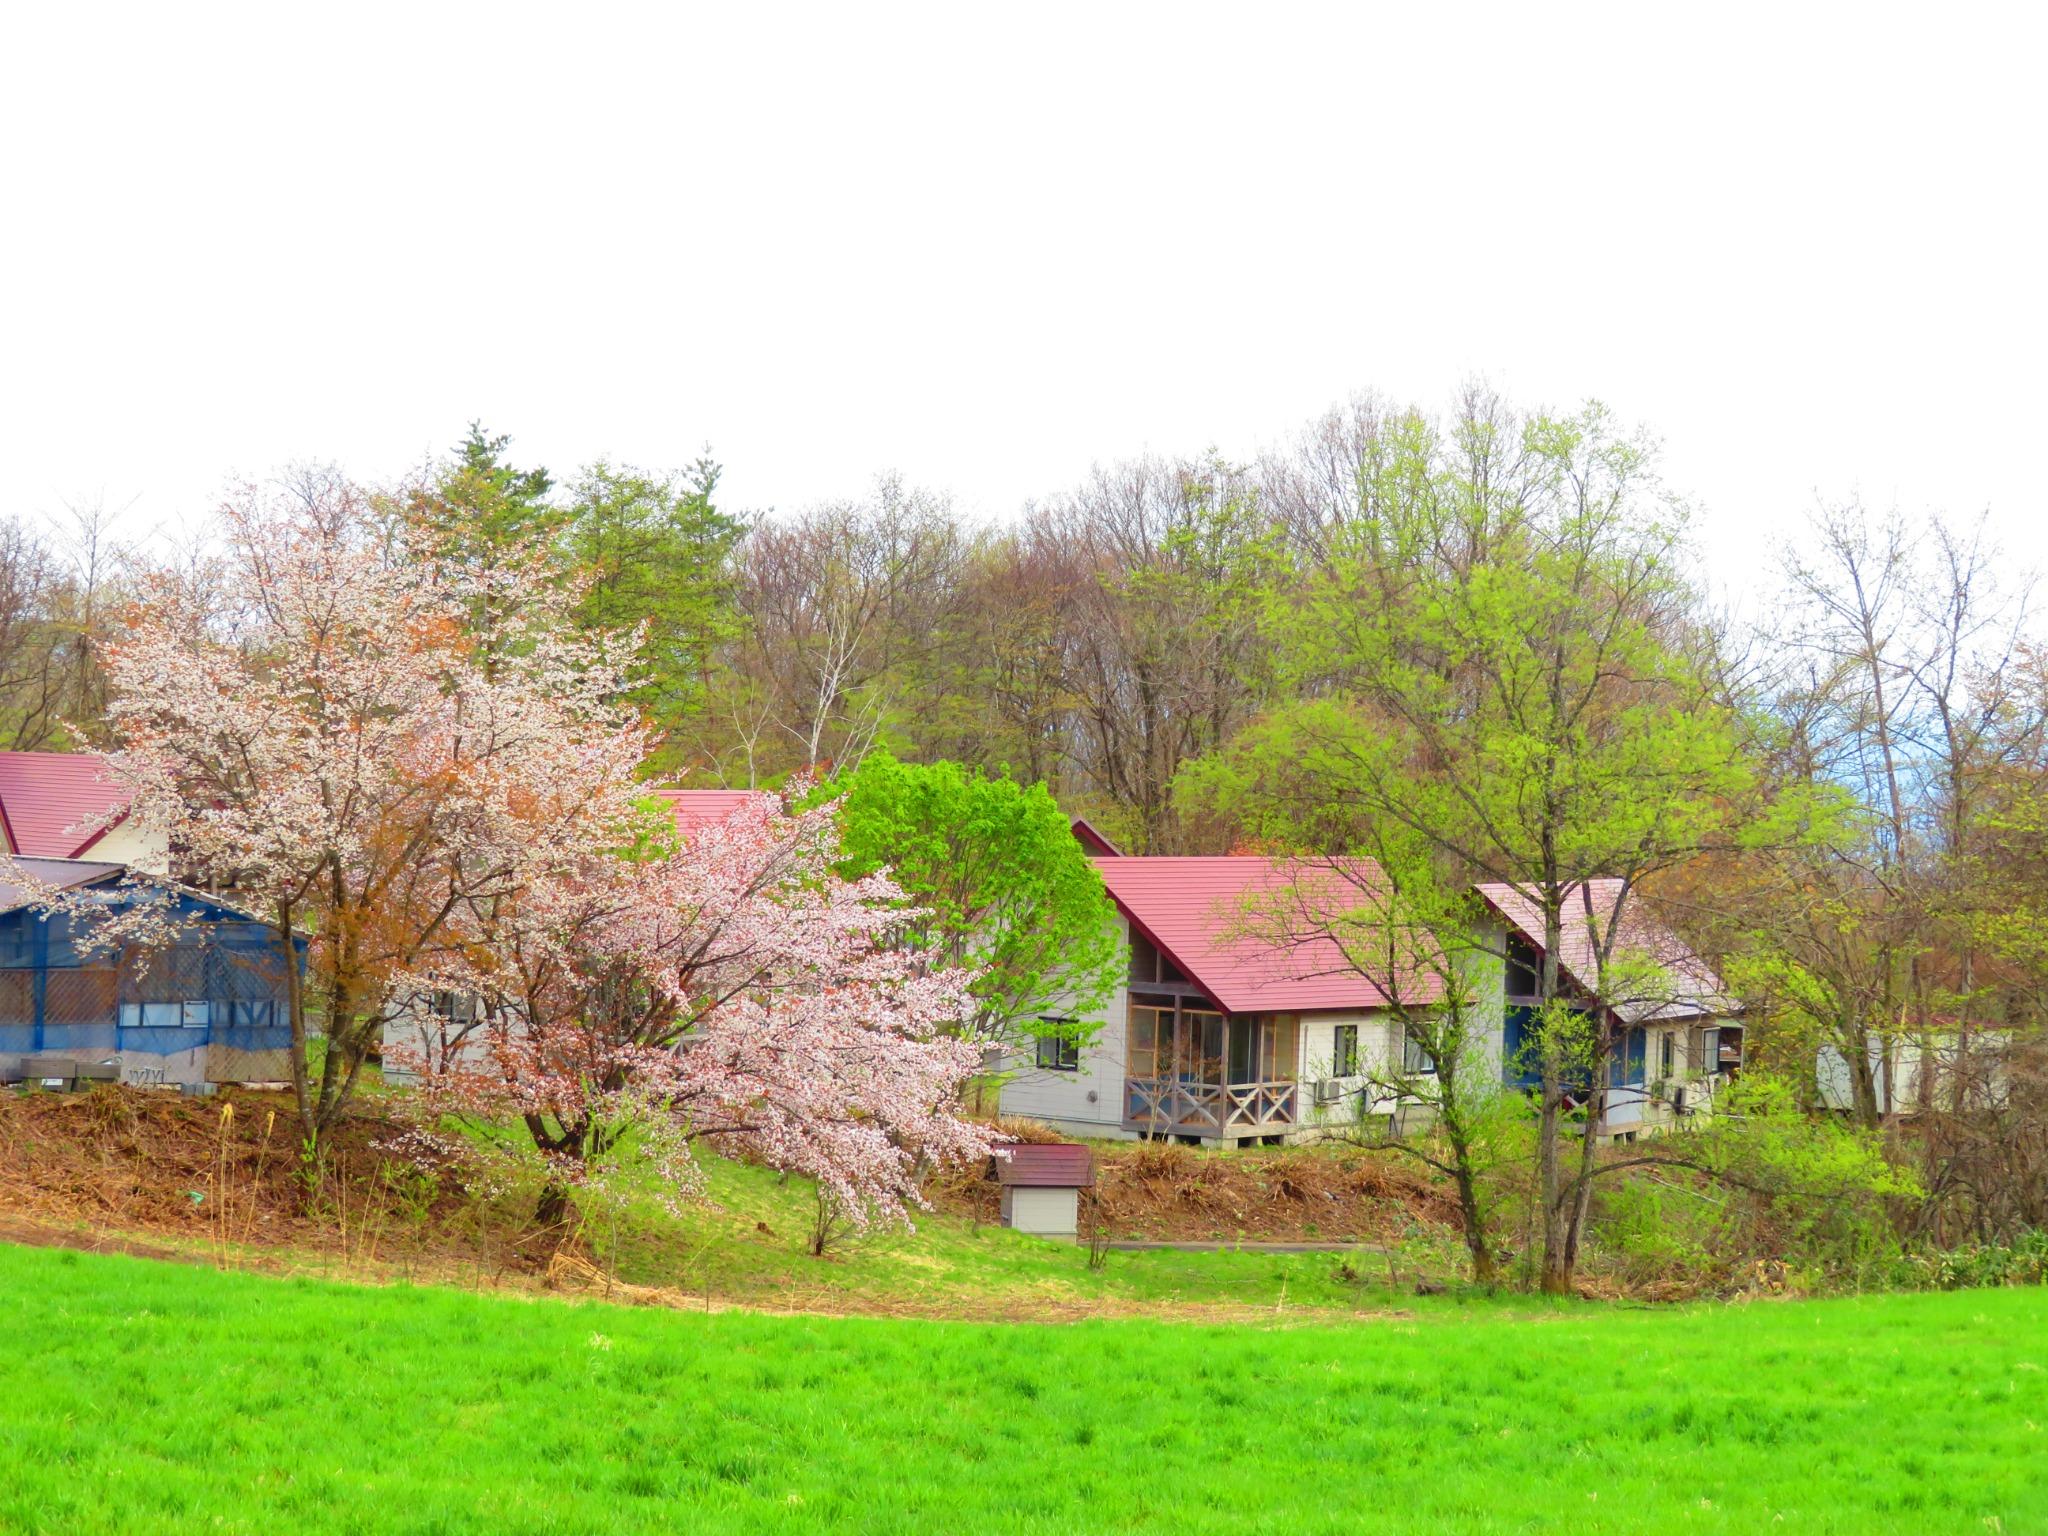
<point>321,728</point>
<point>731,990</point>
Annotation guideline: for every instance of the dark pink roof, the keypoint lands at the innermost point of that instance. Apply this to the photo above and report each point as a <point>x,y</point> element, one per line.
<point>696,808</point>
<point>1201,912</point>
<point>1091,838</point>
<point>46,795</point>
<point>1688,986</point>
<point>1050,1165</point>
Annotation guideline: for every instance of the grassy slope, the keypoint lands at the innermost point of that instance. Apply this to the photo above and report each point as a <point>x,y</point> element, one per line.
<point>746,1242</point>
<point>139,1396</point>
<point>106,1168</point>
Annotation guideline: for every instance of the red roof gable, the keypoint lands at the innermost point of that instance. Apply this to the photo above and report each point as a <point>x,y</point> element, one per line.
<point>1087,835</point>
<point>1688,987</point>
<point>696,808</point>
<point>44,796</point>
<point>1198,910</point>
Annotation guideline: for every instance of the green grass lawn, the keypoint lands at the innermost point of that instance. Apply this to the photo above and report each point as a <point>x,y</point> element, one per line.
<point>143,1397</point>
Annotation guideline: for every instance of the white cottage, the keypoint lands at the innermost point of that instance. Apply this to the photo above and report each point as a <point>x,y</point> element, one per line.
<point>1218,1035</point>
<point>1215,1034</point>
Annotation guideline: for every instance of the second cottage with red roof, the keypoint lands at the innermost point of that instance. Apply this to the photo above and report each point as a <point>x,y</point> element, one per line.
<point>1220,1035</point>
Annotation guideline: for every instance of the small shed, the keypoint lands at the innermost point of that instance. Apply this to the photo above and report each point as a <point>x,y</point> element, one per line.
<point>1042,1187</point>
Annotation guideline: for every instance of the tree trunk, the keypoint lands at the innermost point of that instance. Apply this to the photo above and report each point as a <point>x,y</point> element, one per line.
<point>1556,1279</point>
<point>1862,1080</point>
<point>1581,1200</point>
<point>1484,1271</point>
<point>554,1208</point>
<point>295,1014</point>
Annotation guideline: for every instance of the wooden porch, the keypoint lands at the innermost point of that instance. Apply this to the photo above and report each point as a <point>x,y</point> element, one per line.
<point>1171,1107</point>
<point>1190,1070</point>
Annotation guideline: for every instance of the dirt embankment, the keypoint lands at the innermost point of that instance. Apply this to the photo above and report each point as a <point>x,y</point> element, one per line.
<point>224,1170</point>
<point>227,1170</point>
<point>1170,1193</point>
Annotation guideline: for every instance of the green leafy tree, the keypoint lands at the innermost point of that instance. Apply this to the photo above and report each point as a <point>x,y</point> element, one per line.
<point>489,521</point>
<point>1005,887</point>
<point>1416,937</point>
<point>1499,655</point>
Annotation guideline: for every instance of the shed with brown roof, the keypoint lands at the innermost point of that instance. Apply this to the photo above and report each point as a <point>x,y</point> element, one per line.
<point>1042,1187</point>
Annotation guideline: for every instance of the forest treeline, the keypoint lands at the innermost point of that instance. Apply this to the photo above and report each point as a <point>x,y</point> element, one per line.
<point>1178,647</point>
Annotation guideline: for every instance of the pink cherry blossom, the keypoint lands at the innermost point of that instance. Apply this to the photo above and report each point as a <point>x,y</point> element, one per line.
<point>359,741</point>
<point>734,990</point>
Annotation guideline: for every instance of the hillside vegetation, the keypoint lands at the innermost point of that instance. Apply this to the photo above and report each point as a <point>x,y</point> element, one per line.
<point>169,1176</point>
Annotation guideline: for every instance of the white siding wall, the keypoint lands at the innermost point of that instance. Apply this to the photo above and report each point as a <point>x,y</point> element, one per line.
<point>125,843</point>
<point>1089,1101</point>
<point>1377,1042</point>
<point>1837,1091</point>
<point>1042,1212</point>
<point>1487,973</point>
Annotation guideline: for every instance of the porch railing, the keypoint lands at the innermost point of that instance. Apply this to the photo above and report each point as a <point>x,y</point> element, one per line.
<point>1171,1106</point>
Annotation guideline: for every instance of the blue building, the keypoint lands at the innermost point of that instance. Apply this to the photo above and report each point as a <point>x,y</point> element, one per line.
<point>211,1007</point>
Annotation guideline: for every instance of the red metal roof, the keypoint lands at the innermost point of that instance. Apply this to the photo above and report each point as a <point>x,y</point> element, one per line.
<point>1688,986</point>
<point>1202,913</point>
<point>696,808</point>
<point>46,795</point>
<point>1091,838</point>
<point>1055,1165</point>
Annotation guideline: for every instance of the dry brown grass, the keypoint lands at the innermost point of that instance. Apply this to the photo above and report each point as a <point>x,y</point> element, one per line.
<point>166,1177</point>
<point>1166,1192</point>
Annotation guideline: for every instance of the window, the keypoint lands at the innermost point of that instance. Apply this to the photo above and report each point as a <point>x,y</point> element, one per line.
<point>1059,1052</point>
<point>453,1007</point>
<point>1201,1046</point>
<point>1149,967</point>
<point>1667,1056</point>
<point>162,1015</point>
<point>1149,1042</point>
<point>1279,1047</point>
<point>1344,1052</point>
<point>1522,967</point>
<point>1414,1059</point>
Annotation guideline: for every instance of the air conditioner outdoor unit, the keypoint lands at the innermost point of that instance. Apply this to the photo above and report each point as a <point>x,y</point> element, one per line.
<point>1331,1091</point>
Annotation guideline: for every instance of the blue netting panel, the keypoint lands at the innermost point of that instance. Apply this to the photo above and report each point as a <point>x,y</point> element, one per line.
<point>64,1038</point>
<point>249,991</point>
<point>199,993</point>
<point>17,1002</point>
<point>156,1040</point>
<point>82,997</point>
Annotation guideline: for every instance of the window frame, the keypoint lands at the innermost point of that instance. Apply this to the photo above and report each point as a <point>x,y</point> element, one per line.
<point>1065,1050</point>
<point>1521,962</point>
<point>1415,1061</point>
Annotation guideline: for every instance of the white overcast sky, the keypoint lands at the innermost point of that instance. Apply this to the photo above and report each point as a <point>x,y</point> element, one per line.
<point>988,246</point>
